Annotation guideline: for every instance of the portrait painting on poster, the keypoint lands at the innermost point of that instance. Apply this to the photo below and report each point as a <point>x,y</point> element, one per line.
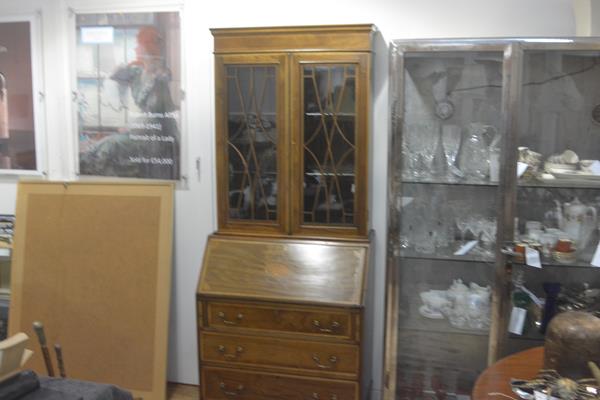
<point>20,114</point>
<point>128,94</point>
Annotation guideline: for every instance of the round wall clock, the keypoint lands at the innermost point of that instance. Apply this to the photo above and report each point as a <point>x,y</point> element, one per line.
<point>444,109</point>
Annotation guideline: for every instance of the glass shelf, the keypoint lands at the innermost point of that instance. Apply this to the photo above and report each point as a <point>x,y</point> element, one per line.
<point>445,182</point>
<point>441,327</point>
<point>324,173</point>
<point>547,263</point>
<point>444,254</point>
<point>561,184</point>
<point>330,114</point>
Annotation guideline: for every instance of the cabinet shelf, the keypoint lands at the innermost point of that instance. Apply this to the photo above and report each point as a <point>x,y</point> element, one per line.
<point>330,114</point>
<point>449,183</point>
<point>441,327</point>
<point>348,174</point>
<point>561,184</point>
<point>445,254</point>
<point>546,263</point>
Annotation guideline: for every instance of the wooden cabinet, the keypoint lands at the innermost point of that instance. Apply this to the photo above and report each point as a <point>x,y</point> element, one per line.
<point>292,121</point>
<point>281,318</point>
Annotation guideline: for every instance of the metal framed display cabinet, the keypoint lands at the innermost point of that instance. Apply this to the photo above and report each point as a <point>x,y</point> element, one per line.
<point>467,116</point>
<point>292,108</point>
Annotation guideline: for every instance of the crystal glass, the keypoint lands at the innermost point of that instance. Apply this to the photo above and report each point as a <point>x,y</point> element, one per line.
<point>421,141</point>
<point>475,152</point>
<point>451,138</point>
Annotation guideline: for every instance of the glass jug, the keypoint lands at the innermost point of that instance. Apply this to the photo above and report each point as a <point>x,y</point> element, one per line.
<point>475,153</point>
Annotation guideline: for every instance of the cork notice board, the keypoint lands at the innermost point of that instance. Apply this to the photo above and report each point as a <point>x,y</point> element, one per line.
<point>92,261</point>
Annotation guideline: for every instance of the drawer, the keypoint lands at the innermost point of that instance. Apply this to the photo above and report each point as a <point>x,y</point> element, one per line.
<point>332,359</point>
<point>227,384</point>
<point>339,324</point>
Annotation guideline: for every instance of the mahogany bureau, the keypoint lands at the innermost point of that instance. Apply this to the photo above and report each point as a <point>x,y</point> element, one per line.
<point>281,318</point>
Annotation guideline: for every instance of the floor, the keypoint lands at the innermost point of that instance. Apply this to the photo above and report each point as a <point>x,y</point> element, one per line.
<point>176,391</point>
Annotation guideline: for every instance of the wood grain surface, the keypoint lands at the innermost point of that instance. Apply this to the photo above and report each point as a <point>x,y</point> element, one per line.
<point>339,324</point>
<point>496,378</point>
<point>222,384</point>
<point>285,270</point>
<point>300,38</point>
<point>294,356</point>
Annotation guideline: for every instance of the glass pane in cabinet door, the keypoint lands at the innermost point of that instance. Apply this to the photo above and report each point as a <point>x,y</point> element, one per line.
<point>446,265</point>
<point>329,143</point>
<point>452,117</point>
<point>252,142</point>
<point>447,203</point>
<point>558,199</point>
<point>443,328</point>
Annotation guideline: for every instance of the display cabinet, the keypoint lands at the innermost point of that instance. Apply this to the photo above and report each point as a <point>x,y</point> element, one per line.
<point>492,157</point>
<point>292,117</point>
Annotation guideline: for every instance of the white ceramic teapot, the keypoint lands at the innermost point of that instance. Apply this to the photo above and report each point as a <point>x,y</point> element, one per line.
<point>577,220</point>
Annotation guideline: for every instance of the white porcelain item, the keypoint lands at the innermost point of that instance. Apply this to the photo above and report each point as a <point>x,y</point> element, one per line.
<point>577,220</point>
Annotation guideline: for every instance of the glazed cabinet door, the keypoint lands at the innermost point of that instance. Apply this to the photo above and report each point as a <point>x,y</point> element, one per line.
<point>558,196</point>
<point>329,117</point>
<point>252,143</point>
<point>446,221</point>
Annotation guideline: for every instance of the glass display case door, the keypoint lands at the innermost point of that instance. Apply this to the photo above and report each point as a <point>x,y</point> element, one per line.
<point>446,227</point>
<point>558,196</point>
<point>252,144</point>
<point>329,138</point>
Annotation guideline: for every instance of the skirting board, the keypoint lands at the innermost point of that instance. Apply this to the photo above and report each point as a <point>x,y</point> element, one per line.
<point>92,262</point>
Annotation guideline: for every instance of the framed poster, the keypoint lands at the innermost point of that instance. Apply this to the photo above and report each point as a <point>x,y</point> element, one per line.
<point>20,118</point>
<point>128,77</point>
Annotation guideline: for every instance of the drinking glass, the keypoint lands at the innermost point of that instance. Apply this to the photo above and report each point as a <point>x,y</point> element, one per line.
<point>451,138</point>
<point>421,141</point>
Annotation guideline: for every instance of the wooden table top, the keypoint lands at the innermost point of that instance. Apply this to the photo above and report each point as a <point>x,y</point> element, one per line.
<point>496,378</point>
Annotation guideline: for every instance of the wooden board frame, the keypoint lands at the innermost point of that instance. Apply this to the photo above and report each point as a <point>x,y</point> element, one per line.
<point>90,291</point>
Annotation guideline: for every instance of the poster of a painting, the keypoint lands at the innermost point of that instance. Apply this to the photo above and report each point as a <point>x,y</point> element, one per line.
<point>17,127</point>
<point>129,96</point>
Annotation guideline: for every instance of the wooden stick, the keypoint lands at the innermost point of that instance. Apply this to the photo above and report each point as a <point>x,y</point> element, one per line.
<point>39,330</point>
<point>59,360</point>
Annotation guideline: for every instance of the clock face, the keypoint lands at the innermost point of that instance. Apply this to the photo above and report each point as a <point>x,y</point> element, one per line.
<point>596,114</point>
<point>444,109</point>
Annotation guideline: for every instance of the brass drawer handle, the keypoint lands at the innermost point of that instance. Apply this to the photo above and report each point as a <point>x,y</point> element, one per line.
<point>334,326</point>
<point>223,350</point>
<point>230,393</point>
<point>316,396</point>
<point>224,319</point>
<point>332,361</point>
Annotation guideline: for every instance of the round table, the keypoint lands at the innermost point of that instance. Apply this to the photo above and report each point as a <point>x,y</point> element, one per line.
<point>496,378</point>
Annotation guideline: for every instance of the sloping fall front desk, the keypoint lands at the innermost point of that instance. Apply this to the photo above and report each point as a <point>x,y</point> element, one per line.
<point>281,318</point>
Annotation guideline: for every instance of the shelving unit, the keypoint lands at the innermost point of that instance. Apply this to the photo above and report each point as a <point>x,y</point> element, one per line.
<point>538,95</point>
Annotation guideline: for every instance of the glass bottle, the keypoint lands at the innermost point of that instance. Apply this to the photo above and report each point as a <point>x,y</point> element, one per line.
<point>521,299</point>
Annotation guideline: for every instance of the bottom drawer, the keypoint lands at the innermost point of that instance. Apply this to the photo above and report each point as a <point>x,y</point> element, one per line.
<point>226,384</point>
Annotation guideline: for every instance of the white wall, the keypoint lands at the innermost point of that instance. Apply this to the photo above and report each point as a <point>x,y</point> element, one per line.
<point>195,206</point>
